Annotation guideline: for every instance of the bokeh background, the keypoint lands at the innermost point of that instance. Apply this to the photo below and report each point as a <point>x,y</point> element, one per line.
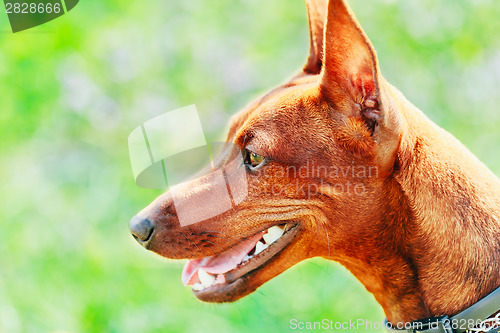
<point>73,89</point>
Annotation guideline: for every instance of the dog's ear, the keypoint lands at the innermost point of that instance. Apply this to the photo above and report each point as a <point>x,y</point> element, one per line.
<point>316,11</point>
<point>350,72</point>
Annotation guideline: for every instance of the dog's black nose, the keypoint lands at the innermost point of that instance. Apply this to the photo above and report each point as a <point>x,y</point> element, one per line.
<point>142,229</point>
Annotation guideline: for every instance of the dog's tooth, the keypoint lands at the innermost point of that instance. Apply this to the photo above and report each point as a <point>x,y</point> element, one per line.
<point>273,234</point>
<point>247,257</point>
<point>197,286</point>
<point>206,279</point>
<point>259,247</point>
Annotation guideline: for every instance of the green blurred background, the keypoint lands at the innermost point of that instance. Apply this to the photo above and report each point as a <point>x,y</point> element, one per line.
<point>73,89</point>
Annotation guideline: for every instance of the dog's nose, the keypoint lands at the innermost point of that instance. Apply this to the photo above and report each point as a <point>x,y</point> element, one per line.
<point>142,229</point>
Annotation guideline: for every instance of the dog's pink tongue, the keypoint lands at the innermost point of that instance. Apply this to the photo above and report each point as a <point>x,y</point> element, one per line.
<point>219,264</point>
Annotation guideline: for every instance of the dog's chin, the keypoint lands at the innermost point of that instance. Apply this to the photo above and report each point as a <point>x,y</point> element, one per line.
<point>247,276</point>
<point>228,292</point>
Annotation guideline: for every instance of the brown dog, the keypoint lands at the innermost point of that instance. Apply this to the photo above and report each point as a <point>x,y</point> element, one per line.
<point>364,178</point>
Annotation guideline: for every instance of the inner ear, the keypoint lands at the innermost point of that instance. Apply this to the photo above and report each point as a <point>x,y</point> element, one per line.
<point>350,68</point>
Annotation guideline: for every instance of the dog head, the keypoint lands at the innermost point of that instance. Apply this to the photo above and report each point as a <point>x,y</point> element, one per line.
<point>315,152</point>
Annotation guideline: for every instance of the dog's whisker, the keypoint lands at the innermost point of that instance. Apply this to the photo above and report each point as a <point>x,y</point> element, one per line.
<point>267,297</point>
<point>223,235</point>
<point>220,236</point>
<point>207,241</point>
<point>194,243</point>
<point>190,251</point>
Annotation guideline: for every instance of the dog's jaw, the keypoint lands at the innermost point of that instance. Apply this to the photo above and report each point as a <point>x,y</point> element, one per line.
<point>243,278</point>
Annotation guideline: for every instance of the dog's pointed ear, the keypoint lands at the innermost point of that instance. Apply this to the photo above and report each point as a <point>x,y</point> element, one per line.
<point>316,12</point>
<point>350,73</point>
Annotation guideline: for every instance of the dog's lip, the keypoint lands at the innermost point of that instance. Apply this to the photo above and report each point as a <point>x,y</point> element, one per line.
<point>234,279</point>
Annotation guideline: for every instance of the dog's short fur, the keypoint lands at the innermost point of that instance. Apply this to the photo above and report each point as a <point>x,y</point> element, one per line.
<point>424,236</point>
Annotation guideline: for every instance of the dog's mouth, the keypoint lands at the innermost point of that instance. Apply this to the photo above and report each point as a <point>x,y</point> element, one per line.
<point>216,278</point>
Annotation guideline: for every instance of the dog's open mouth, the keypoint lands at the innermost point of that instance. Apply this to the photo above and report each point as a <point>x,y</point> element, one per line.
<point>212,275</point>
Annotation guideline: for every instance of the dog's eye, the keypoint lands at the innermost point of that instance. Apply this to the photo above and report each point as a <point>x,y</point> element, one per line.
<point>253,159</point>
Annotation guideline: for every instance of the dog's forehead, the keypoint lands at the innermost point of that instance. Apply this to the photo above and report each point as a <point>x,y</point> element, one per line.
<point>285,107</point>
<point>288,95</point>
<point>279,124</point>
<point>287,104</point>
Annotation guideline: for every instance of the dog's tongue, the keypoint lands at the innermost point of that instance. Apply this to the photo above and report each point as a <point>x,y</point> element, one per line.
<point>219,264</point>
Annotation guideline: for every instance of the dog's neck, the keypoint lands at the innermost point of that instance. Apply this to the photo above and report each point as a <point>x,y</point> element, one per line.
<point>436,249</point>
